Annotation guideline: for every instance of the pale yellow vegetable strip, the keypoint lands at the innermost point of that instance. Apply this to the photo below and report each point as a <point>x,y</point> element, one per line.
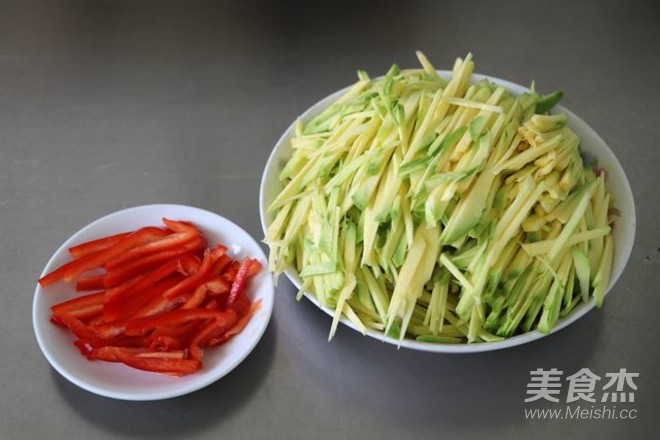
<point>604,272</point>
<point>426,64</point>
<point>473,104</point>
<point>543,247</point>
<point>455,271</point>
<point>520,160</point>
<point>569,227</point>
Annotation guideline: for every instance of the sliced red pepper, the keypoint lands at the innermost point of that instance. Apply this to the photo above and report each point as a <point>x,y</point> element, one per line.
<point>84,347</point>
<point>166,343</point>
<point>57,321</point>
<point>238,327</point>
<point>168,242</point>
<point>220,265</point>
<point>210,330</point>
<point>218,251</point>
<point>177,330</point>
<point>94,320</point>
<point>197,297</point>
<point>115,292</point>
<point>139,326</point>
<point>193,281</point>
<point>255,267</point>
<point>109,329</point>
<point>159,305</point>
<point>126,307</point>
<point>81,307</point>
<point>89,247</point>
<point>189,265</point>
<point>231,271</point>
<point>174,336</point>
<point>161,365</point>
<point>164,244</point>
<point>212,304</point>
<point>93,282</point>
<point>240,281</point>
<point>78,328</point>
<point>163,271</point>
<point>108,353</point>
<point>112,353</point>
<point>77,267</point>
<point>181,226</point>
<point>162,302</point>
<point>122,272</point>
<point>218,285</point>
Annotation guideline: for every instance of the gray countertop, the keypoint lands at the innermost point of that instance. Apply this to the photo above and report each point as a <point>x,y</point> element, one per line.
<point>111,104</point>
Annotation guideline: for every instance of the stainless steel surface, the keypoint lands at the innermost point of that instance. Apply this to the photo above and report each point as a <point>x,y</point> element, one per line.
<point>110,104</point>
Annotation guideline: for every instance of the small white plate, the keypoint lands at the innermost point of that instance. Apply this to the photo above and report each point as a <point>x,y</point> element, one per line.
<point>117,380</point>
<point>591,146</point>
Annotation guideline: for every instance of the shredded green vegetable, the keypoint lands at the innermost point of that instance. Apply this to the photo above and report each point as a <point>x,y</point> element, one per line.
<point>442,210</point>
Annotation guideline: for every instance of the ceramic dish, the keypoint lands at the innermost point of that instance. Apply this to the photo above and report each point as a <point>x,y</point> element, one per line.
<point>592,147</point>
<point>117,380</point>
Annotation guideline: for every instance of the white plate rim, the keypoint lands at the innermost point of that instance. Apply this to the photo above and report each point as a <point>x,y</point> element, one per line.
<point>262,286</point>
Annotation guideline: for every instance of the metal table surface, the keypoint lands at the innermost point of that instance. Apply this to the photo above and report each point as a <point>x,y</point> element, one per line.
<point>111,104</point>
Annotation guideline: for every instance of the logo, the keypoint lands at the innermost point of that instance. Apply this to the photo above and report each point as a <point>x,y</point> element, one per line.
<point>582,386</point>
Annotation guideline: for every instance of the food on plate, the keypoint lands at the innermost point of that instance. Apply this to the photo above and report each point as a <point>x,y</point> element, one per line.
<point>442,210</point>
<point>160,296</point>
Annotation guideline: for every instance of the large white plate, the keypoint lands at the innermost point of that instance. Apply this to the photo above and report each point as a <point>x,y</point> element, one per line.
<point>592,146</point>
<point>119,381</point>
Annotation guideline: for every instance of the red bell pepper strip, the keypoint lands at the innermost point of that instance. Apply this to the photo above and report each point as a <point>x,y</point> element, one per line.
<point>238,327</point>
<point>239,282</point>
<point>113,353</point>
<point>231,271</point>
<point>241,304</point>
<point>159,305</point>
<point>220,265</point>
<point>84,347</point>
<point>162,244</point>
<point>78,328</point>
<point>93,282</point>
<point>192,281</point>
<point>119,307</point>
<point>122,272</point>
<point>77,267</point>
<point>184,233</point>
<point>162,272</point>
<point>174,336</point>
<point>126,285</point>
<point>160,365</point>
<point>212,304</point>
<point>89,247</point>
<point>218,251</point>
<point>166,343</point>
<point>180,225</point>
<point>57,321</point>
<point>210,330</point>
<point>180,331</point>
<point>139,326</point>
<point>81,307</point>
<point>218,285</point>
<point>255,267</point>
<point>177,294</point>
<point>197,297</point>
<point>109,329</point>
